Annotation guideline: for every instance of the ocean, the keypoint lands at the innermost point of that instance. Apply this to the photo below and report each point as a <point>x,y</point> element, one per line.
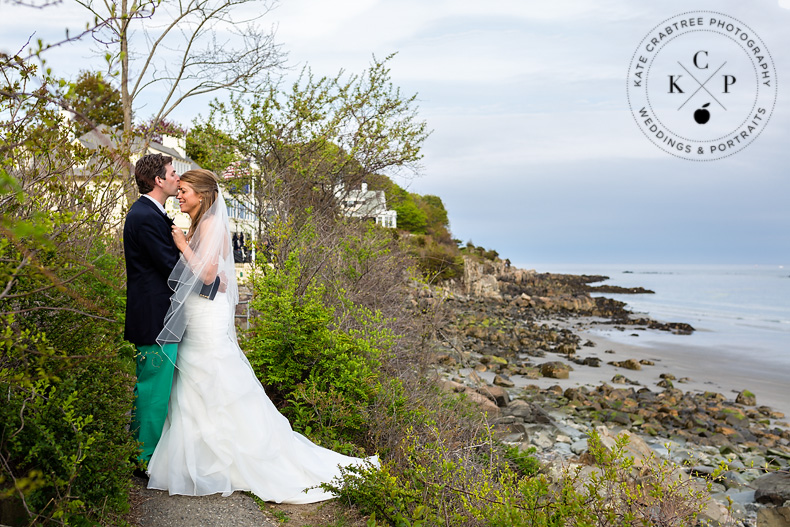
<point>739,310</point>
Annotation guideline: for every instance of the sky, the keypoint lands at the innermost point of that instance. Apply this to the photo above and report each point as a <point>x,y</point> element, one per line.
<point>534,148</point>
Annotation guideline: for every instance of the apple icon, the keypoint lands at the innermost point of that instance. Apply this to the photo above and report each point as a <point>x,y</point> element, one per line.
<point>702,115</point>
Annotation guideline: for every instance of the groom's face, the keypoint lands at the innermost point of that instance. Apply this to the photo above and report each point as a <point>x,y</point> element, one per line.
<point>170,182</point>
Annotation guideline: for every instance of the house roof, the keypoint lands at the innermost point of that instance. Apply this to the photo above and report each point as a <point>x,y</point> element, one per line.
<point>103,134</point>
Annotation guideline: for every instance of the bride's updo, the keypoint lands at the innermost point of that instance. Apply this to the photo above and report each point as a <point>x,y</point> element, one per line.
<point>204,183</point>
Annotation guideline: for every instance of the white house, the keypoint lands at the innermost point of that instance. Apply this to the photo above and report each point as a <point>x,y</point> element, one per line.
<point>367,204</point>
<point>107,137</point>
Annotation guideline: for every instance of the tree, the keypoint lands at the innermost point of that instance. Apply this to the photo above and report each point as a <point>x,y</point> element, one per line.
<point>175,48</point>
<point>309,145</point>
<point>211,148</point>
<point>96,99</point>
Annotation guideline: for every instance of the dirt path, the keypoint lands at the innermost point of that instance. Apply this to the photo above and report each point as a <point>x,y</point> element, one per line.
<point>155,508</point>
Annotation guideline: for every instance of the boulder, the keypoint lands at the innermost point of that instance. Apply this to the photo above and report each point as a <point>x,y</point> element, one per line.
<point>772,488</point>
<point>746,398</point>
<point>493,359</point>
<point>635,447</point>
<point>451,386</point>
<point>503,380</point>
<point>773,517</point>
<point>486,404</point>
<point>595,362</point>
<point>630,364</point>
<point>495,393</point>
<point>555,370</point>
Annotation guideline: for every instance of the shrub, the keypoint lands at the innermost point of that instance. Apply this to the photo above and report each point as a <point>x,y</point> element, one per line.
<point>65,375</point>
<point>64,441</point>
<point>446,485</point>
<point>320,375</point>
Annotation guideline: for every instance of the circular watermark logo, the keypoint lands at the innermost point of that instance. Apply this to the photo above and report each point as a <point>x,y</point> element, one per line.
<point>702,85</point>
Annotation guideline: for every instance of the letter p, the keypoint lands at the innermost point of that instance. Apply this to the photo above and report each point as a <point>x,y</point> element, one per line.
<point>729,80</point>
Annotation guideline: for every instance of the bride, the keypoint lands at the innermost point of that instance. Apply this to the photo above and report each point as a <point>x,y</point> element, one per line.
<point>222,432</point>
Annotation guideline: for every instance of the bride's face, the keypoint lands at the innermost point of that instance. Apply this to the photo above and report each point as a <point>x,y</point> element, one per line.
<point>188,199</point>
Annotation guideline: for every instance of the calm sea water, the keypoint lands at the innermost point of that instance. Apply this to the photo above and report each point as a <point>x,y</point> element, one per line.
<point>742,310</point>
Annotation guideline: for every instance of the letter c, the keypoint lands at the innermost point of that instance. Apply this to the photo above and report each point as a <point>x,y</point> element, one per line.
<point>695,59</point>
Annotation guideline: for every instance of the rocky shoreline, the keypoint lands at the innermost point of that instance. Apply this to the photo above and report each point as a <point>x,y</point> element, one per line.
<point>511,330</point>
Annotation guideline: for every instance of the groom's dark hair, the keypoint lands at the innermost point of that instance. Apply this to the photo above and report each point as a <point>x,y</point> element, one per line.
<point>148,168</point>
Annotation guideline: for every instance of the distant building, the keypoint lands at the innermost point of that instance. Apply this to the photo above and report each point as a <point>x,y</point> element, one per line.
<point>367,204</point>
<point>106,137</point>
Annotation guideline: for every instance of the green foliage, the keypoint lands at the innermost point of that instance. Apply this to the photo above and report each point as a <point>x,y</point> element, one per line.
<point>411,217</point>
<point>441,485</point>
<point>426,218</point>
<point>319,137</point>
<point>65,375</point>
<point>322,376</point>
<point>211,148</point>
<point>96,100</point>
<point>479,252</point>
<point>522,461</point>
<point>437,261</point>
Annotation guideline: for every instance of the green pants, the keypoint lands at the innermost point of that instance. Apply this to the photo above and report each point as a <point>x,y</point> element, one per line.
<point>155,368</point>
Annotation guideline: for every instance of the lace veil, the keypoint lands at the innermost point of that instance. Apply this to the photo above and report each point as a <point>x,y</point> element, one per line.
<point>212,256</point>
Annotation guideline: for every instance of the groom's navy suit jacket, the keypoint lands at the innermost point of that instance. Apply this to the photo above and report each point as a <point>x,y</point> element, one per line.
<point>150,256</point>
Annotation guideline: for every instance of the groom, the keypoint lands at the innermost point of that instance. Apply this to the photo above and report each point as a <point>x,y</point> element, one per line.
<point>150,256</point>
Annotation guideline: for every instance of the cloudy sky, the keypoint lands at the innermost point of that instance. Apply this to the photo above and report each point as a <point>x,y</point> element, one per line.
<point>534,149</point>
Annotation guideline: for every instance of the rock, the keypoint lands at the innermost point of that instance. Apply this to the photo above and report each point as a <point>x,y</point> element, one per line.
<point>445,359</point>
<point>520,408</point>
<point>477,282</point>
<point>451,386</point>
<point>773,517</point>
<point>732,479</point>
<point>555,370</point>
<point>665,383</point>
<point>579,447</point>
<point>573,394</point>
<point>772,488</point>
<point>668,376</point>
<point>635,447</point>
<point>595,362</point>
<point>496,394</point>
<point>646,362</point>
<point>746,398</point>
<point>542,439</point>
<point>714,514</point>
<point>530,413</point>
<point>486,404</point>
<point>493,359</point>
<point>503,380</point>
<point>630,364</point>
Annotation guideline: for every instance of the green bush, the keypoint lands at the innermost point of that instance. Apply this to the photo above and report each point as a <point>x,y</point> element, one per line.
<point>444,485</point>
<point>65,375</point>
<point>66,380</point>
<point>322,377</point>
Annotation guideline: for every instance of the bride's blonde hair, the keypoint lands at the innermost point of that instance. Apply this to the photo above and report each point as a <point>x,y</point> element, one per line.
<point>205,184</point>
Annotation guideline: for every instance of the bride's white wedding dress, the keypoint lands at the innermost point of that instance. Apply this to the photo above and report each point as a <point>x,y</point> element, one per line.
<point>222,432</point>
